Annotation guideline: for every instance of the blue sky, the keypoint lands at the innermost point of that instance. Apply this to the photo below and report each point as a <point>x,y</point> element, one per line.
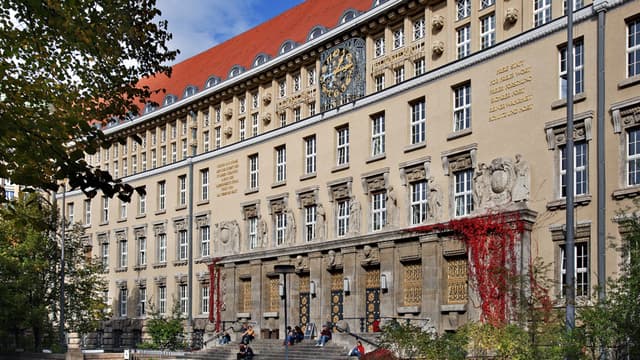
<point>197,25</point>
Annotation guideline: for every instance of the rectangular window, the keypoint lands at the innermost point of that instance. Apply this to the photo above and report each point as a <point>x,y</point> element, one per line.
<point>580,167</point>
<point>123,209</point>
<point>87,211</point>
<point>163,135</point>
<point>281,164</point>
<point>142,251</point>
<point>378,210</point>
<point>184,298</point>
<point>162,299</point>
<point>418,202</point>
<point>541,12</point>
<point>311,77</point>
<point>183,126</point>
<point>105,210</point>
<point>242,105</point>
<point>418,67</point>
<point>184,153</point>
<point>104,252</point>
<point>398,38</point>
<point>254,124</point>
<point>342,218</point>
<point>462,192</point>
<point>122,261</point>
<point>123,302</point>
<point>297,114</point>
<point>379,47</point>
<point>581,261</point>
<point>486,3</point>
<point>154,159</point>
<point>182,190</point>
<point>252,224</point>
<point>633,157</point>
<point>577,4</point>
<point>143,159</point>
<point>174,131</point>
<point>418,28</point>
<point>125,170</point>
<point>296,82</point>
<point>162,195</point>
<point>255,100</point>
<point>253,171</point>
<point>205,141</point>
<point>281,227</point>
<point>379,79</point>
<point>283,118</point>
<point>162,248</point>
<point>134,164</point>
<point>70,209</point>
<point>154,137</point>
<point>487,31</point>
<point>633,48</point>
<point>163,155</point>
<point>183,245</point>
<point>242,129</point>
<point>399,74</point>
<point>312,108</point>
<point>282,88</point>
<point>204,299</point>
<point>142,204</point>
<point>463,41</point>
<point>205,241</point>
<point>578,71</point>
<point>462,107</point>
<point>218,111</point>
<point>463,9</point>
<point>205,118</point>
<point>218,138</point>
<point>377,135</point>
<point>310,155</point>
<point>116,169</point>
<point>342,149</point>
<point>204,184</point>
<point>310,222</point>
<point>418,122</point>
<point>174,152</point>
<point>142,301</point>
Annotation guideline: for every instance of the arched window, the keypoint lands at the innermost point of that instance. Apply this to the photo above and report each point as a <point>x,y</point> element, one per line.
<point>235,71</point>
<point>189,90</point>
<point>378,3</point>
<point>348,15</point>
<point>148,107</point>
<point>287,46</point>
<point>316,31</point>
<point>211,81</point>
<point>260,59</point>
<point>169,99</point>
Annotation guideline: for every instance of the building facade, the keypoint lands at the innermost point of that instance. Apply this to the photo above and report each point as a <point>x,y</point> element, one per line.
<point>422,111</point>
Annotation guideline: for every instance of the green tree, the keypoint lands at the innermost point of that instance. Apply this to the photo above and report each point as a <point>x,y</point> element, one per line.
<point>30,276</point>
<point>166,332</point>
<point>63,64</point>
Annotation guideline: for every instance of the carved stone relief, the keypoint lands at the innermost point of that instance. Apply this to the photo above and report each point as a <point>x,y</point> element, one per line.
<point>228,235</point>
<point>370,255</point>
<point>392,207</point>
<point>434,201</point>
<point>291,227</point>
<point>321,221</point>
<point>354,216</point>
<point>501,182</point>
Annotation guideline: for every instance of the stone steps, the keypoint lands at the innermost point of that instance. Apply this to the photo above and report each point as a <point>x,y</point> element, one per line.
<point>273,349</point>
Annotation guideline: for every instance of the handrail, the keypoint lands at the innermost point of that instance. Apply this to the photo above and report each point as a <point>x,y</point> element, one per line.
<point>358,337</point>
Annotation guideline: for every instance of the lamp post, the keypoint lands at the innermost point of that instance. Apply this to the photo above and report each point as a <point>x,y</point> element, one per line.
<point>285,269</point>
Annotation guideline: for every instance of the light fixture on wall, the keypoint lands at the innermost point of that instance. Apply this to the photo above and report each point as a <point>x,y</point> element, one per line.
<point>384,286</point>
<point>312,288</point>
<point>346,285</point>
<point>281,290</point>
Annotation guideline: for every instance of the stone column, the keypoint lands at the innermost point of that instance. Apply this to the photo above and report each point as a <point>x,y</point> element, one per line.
<point>432,289</point>
<point>228,293</point>
<point>255,269</point>
<point>390,268</point>
<point>317,274</point>
<point>355,295</point>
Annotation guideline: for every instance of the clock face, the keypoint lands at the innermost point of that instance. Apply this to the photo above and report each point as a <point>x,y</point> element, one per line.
<point>337,72</point>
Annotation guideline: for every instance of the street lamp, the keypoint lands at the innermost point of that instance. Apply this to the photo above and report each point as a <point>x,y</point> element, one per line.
<point>285,269</point>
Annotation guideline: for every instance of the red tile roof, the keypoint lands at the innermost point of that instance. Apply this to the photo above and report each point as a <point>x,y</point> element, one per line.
<point>294,24</point>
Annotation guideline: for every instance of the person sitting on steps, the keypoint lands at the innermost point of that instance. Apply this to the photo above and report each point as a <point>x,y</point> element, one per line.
<point>299,334</point>
<point>245,353</point>
<point>357,350</point>
<point>325,335</point>
<point>248,335</point>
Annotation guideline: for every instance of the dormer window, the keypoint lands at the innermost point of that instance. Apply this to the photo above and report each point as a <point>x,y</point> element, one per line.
<point>348,15</point>
<point>169,99</point>
<point>260,59</point>
<point>287,46</point>
<point>190,90</point>
<point>148,107</point>
<point>211,81</point>
<point>235,71</point>
<point>378,3</point>
<point>316,31</point>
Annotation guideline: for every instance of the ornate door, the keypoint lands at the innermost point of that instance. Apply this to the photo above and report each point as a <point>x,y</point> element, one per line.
<point>304,298</point>
<point>372,301</point>
<point>337,293</point>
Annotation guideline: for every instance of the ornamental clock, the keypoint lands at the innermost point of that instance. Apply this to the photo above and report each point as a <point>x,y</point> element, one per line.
<point>342,73</point>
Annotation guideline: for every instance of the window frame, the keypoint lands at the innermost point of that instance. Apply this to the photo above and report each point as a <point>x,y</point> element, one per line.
<point>342,146</point>
<point>578,70</point>
<point>632,49</point>
<point>462,107</point>
<point>378,210</point>
<point>487,31</point>
<point>463,192</point>
<point>280,164</point>
<point>418,122</point>
<point>463,41</point>
<point>378,135</point>
<point>310,155</point>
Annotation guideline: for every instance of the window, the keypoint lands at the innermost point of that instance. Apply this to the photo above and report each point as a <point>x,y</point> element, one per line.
<point>162,195</point>
<point>205,141</point>
<point>378,210</point>
<point>116,168</point>
<point>204,184</point>
<point>70,209</point>
<point>122,261</point>
<point>255,100</point>
<point>174,152</point>
<point>142,204</point>
<point>418,28</point>
<point>282,88</point>
<point>142,301</point>
<point>463,41</point>
<point>242,126</point>
<point>342,218</point>
<point>633,48</point>
<point>174,131</point>
<point>379,79</point>
<point>87,211</point>
<point>377,135</point>
<point>577,4</point>
<point>487,31</point>
<point>183,245</point>
<point>184,149</point>
<point>462,192</point>
<point>143,157</point>
<point>541,12</point>
<point>182,190</point>
<point>418,67</point>
<point>218,112</point>
<point>581,185</point>
<point>204,299</point>
<point>310,155</point>
<point>462,107</point>
<point>205,118</point>
<point>104,256</point>
<point>134,164</point>
<point>296,82</point>
<point>254,124</point>
<point>283,118</point>
<point>105,210</point>
<point>312,108</point>
<point>418,122</point>
<point>399,74</point>
<point>463,9</point>
<point>123,209</point>
<point>342,149</point>
<point>205,241</point>
<point>296,114</point>
<point>578,71</point>
<point>281,164</point>
<point>486,3</point>
<point>418,202</point>
<point>162,299</point>
<point>581,261</point>
<point>162,248</point>
<point>379,47</point>
<point>184,298</point>
<point>252,223</point>
<point>281,227</point>
<point>253,171</point>
<point>310,222</point>
<point>633,157</point>
<point>218,138</point>
<point>242,105</point>
<point>154,159</point>
<point>311,77</point>
<point>183,127</point>
<point>163,155</point>
<point>123,302</point>
<point>142,251</point>
<point>163,135</point>
<point>398,38</point>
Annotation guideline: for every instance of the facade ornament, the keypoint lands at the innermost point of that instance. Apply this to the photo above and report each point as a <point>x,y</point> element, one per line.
<point>300,263</point>
<point>266,118</point>
<point>434,201</point>
<point>511,15</point>
<point>522,184</point>
<point>262,231</point>
<point>331,259</point>
<point>354,216</point>
<point>266,99</point>
<point>228,233</point>
<point>392,206</point>
<point>437,22</point>
<point>481,185</point>
<point>228,131</point>
<point>437,47</point>
<point>291,226</point>
<point>500,183</point>
<point>321,217</point>
<point>228,113</point>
